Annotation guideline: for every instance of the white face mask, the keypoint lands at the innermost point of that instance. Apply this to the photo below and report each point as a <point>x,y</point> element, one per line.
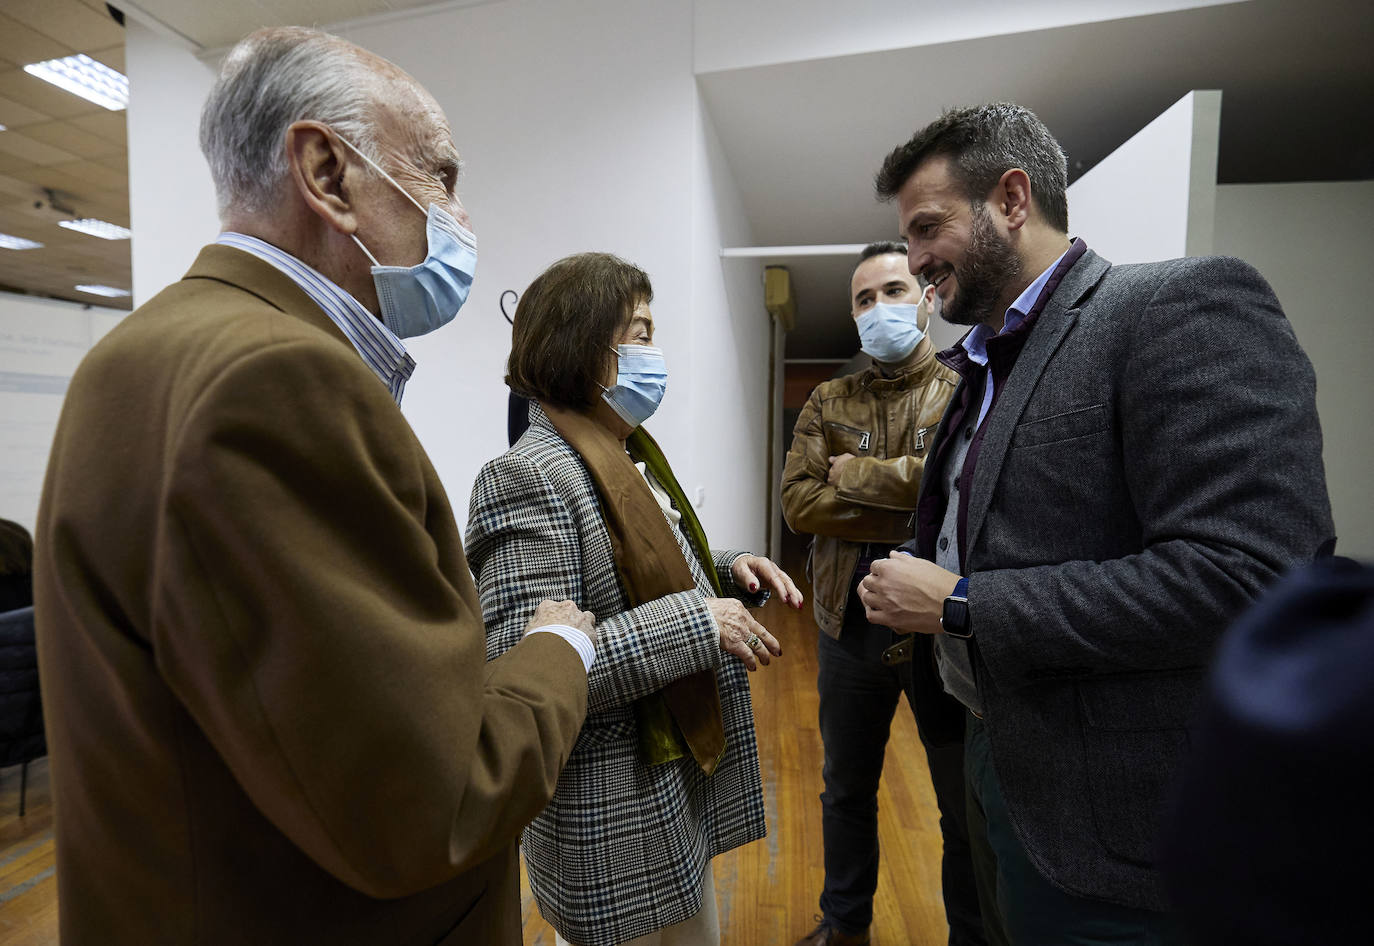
<point>416,300</point>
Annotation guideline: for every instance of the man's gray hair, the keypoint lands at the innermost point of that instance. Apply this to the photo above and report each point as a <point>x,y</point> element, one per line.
<point>270,80</point>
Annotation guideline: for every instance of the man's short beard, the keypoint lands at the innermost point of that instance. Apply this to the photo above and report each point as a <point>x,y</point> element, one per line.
<point>990,263</point>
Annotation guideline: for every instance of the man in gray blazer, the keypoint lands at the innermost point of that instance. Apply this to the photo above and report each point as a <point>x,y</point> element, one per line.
<point>1133,454</point>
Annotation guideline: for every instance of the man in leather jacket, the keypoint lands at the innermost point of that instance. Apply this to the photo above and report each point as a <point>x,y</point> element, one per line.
<point>851,480</point>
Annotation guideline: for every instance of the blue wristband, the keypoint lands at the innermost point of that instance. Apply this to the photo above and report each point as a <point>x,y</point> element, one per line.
<point>961,589</point>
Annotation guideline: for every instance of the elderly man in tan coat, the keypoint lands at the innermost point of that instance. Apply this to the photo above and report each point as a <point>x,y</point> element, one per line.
<point>261,650</point>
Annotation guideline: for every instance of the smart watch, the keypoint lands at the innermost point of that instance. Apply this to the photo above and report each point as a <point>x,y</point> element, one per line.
<point>954,619</point>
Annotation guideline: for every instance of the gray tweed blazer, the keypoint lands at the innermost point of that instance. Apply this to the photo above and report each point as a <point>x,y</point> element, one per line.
<point>1152,465</point>
<point>621,849</point>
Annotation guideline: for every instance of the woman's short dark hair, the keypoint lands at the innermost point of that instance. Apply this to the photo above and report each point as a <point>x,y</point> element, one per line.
<point>566,324</point>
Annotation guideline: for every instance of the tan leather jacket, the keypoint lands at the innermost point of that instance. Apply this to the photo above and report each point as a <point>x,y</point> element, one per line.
<point>887,423</point>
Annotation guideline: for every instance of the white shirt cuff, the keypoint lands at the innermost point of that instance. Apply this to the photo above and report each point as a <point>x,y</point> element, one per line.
<point>580,642</point>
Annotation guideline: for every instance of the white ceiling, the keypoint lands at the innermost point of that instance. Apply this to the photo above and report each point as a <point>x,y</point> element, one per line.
<point>804,139</point>
<point>209,25</point>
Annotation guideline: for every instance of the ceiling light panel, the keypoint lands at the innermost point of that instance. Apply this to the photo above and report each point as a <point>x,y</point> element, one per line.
<point>81,75</point>
<point>110,292</point>
<point>8,242</point>
<point>96,228</point>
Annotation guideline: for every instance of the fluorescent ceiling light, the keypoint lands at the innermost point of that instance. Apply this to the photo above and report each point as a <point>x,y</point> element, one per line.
<point>108,291</point>
<point>96,228</point>
<point>81,75</point>
<point>8,242</point>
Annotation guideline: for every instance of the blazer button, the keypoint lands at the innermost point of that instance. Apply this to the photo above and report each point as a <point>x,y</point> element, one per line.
<point>968,433</point>
<point>944,543</point>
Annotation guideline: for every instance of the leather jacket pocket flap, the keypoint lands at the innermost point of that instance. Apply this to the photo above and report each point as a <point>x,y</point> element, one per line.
<point>841,438</point>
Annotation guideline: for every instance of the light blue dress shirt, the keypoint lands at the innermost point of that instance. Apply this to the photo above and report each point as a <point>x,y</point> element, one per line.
<point>380,349</point>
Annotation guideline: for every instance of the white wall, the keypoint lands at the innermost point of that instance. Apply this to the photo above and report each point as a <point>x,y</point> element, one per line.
<point>580,130</point>
<point>1311,241</point>
<point>730,395</point>
<point>734,34</point>
<point>41,342</point>
<point>1153,198</point>
<point>171,199</point>
<point>580,125</point>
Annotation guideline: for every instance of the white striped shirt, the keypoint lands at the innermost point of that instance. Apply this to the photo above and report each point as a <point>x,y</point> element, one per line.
<point>383,352</point>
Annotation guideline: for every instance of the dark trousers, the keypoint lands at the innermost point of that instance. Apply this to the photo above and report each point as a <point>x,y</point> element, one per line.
<point>1031,910</point>
<point>858,696</point>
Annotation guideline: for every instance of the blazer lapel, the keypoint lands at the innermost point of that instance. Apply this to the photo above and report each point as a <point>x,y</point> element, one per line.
<point>1052,327</point>
<point>234,267</point>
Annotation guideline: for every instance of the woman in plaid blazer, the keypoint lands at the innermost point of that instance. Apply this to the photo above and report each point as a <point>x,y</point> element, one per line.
<point>623,851</point>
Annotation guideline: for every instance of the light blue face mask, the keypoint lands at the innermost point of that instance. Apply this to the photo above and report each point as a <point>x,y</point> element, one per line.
<point>416,300</point>
<point>889,331</point>
<point>641,380</point>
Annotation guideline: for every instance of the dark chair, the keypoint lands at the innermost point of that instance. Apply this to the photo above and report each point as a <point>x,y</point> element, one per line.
<point>21,709</point>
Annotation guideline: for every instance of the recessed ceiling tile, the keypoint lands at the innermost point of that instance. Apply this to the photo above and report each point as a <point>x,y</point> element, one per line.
<point>18,223</point>
<point>14,115</point>
<point>107,205</point>
<point>112,56</point>
<point>12,162</point>
<point>48,177</point>
<point>13,186</point>
<point>108,125</point>
<point>20,145</point>
<point>71,139</point>
<point>95,176</point>
<point>19,43</point>
<point>45,97</point>
<point>68,22</point>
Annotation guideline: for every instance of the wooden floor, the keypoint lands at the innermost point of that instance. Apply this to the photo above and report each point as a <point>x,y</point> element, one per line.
<point>28,890</point>
<point>766,891</point>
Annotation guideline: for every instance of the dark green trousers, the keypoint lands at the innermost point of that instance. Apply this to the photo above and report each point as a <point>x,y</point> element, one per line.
<point>1016,897</point>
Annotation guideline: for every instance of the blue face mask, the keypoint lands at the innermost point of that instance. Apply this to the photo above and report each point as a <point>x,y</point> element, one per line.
<point>415,300</point>
<point>641,380</point>
<point>889,331</point>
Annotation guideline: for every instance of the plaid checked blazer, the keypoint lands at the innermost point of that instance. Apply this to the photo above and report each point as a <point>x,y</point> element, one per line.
<point>621,849</point>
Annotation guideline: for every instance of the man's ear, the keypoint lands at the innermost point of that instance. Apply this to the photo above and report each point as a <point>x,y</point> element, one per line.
<point>316,166</point>
<point>1012,196</point>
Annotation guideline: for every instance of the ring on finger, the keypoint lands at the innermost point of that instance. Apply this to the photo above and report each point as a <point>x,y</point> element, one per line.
<point>753,642</point>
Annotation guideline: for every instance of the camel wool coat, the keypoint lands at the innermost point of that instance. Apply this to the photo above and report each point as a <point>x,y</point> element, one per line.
<point>262,654</point>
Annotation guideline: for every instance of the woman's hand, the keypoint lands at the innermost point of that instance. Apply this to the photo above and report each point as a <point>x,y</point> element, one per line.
<point>749,570</point>
<point>740,634</point>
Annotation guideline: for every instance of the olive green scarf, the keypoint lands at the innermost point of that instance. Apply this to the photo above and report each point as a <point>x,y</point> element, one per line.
<point>685,716</point>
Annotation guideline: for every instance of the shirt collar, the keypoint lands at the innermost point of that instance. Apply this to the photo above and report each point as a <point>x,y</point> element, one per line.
<point>379,347</point>
<point>976,341</point>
